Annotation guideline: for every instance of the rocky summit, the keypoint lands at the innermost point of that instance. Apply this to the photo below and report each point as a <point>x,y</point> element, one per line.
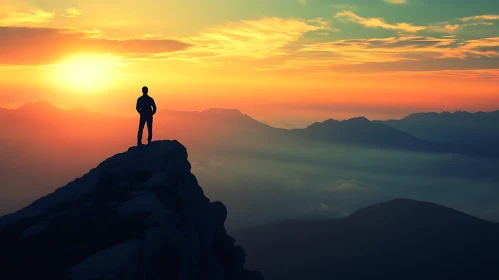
<point>138,215</point>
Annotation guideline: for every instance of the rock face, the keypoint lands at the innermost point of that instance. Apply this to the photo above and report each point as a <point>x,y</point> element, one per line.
<point>138,215</point>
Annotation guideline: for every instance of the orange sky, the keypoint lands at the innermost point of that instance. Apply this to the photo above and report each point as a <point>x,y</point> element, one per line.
<point>287,68</point>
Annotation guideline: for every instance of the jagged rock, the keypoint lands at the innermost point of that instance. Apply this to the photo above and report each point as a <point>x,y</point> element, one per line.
<point>138,215</point>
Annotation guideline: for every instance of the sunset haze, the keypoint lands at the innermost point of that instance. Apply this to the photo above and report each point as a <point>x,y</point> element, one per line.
<point>287,63</point>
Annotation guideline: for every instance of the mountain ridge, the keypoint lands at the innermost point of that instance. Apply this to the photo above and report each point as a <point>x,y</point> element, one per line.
<point>396,239</point>
<point>384,206</point>
<point>448,113</point>
<point>237,111</point>
<point>363,132</point>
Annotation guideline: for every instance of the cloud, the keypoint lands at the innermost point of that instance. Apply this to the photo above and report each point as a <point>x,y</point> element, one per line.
<point>72,13</point>
<point>455,25</point>
<point>25,45</point>
<point>377,22</point>
<point>480,17</point>
<point>440,27</point>
<point>472,74</point>
<point>93,33</point>
<point>395,1</point>
<point>255,38</point>
<point>406,47</point>
<point>247,39</point>
<point>22,18</point>
<point>412,51</point>
<point>484,47</point>
<point>303,2</point>
<point>452,27</point>
<point>360,51</point>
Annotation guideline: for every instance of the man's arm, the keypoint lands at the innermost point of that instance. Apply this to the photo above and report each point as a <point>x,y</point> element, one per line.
<point>153,107</point>
<point>137,107</point>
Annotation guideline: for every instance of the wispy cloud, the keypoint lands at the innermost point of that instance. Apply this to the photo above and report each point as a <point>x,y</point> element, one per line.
<point>93,33</point>
<point>480,17</point>
<point>325,55</point>
<point>408,48</point>
<point>473,74</point>
<point>484,47</point>
<point>451,26</point>
<point>377,22</point>
<point>72,13</point>
<point>24,45</point>
<point>21,18</point>
<point>250,39</point>
<point>395,1</point>
<point>151,36</point>
<point>303,2</point>
<point>458,24</point>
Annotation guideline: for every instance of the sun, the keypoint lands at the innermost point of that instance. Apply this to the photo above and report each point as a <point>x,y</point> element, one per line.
<point>87,73</point>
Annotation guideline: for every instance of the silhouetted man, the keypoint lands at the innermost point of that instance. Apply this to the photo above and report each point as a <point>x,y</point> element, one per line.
<point>146,108</point>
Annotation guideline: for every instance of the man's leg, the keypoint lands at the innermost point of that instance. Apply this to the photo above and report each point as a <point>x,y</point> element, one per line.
<point>149,130</point>
<point>141,129</point>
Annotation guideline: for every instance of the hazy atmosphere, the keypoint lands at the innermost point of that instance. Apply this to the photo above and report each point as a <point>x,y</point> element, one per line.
<point>249,139</point>
<point>287,63</point>
<point>263,173</point>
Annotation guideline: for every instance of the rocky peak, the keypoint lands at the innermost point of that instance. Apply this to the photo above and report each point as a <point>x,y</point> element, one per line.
<point>138,215</point>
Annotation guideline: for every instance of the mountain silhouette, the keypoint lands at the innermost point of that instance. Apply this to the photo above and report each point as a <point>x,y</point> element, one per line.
<point>39,107</point>
<point>213,126</point>
<point>362,132</point>
<point>398,239</point>
<point>221,120</point>
<point>459,126</point>
<point>138,215</point>
<point>468,133</point>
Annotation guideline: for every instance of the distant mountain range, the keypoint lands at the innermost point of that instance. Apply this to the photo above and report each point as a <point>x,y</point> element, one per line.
<point>398,239</point>
<point>462,127</point>
<point>41,139</point>
<point>424,132</point>
<point>464,132</point>
<point>362,132</point>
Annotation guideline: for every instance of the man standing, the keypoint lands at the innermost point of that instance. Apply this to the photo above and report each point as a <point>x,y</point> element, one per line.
<point>146,108</point>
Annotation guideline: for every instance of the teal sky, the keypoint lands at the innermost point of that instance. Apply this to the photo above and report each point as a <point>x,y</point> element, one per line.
<point>187,17</point>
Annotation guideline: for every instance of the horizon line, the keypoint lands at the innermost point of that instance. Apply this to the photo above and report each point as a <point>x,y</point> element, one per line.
<point>238,110</point>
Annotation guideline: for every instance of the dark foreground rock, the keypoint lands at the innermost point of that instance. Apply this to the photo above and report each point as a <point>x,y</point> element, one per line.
<point>138,215</point>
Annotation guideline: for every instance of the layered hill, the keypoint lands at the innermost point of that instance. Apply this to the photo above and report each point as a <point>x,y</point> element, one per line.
<point>460,126</point>
<point>362,132</point>
<point>463,132</point>
<point>398,239</point>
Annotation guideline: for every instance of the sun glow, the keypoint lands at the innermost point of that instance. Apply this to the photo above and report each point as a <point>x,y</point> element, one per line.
<point>87,73</point>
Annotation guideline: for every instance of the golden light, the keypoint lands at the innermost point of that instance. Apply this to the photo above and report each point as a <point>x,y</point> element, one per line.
<point>87,73</point>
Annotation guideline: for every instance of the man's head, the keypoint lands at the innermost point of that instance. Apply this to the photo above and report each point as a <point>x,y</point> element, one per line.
<point>145,90</point>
